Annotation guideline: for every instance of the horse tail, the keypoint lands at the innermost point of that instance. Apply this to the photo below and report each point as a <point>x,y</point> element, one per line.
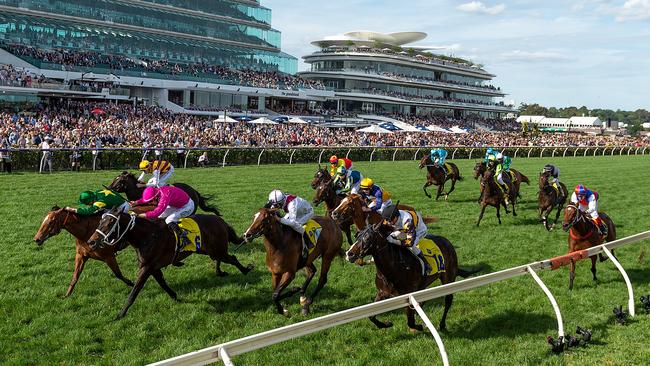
<point>430,220</point>
<point>466,272</point>
<point>203,204</point>
<point>232,235</point>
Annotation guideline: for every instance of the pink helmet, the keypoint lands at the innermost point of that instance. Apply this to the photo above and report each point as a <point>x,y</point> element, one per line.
<point>149,193</point>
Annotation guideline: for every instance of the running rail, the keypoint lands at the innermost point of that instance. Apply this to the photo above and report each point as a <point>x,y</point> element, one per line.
<point>223,352</point>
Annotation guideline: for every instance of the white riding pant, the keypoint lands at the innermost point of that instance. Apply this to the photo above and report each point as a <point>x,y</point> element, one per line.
<point>162,181</point>
<point>299,221</point>
<point>384,204</point>
<point>175,214</point>
<point>591,209</point>
<point>413,248</point>
<point>125,207</point>
<point>356,188</point>
<point>500,178</point>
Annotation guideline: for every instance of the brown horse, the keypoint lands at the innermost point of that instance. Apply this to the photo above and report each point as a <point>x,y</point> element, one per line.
<point>584,234</point>
<point>548,198</point>
<point>325,192</point>
<point>351,208</point>
<point>491,195</point>
<point>399,271</point>
<point>284,255</point>
<point>481,167</point>
<point>155,244</point>
<point>81,227</point>
<point>322,175</point>
<point>436,176</point>
<point>127,183</point>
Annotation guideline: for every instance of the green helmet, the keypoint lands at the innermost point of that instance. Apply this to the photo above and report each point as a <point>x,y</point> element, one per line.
<point>341,170</point>
<point>87,197</point>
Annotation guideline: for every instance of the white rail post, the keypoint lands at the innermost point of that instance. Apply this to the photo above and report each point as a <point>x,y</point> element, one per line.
<point>564,153</point>
<point>453,154</point>
<point>415,157</point>
<point>291,157</point>
<point>470,154</point>
<point>529,152</point>
<point>395,152</point>
<point>432,329</point>
<point>575,152</point>
<point>40,166</point>
<point>643,152</point>
<point>224,357</point>
<point>516,151</point>
<point>187,155</point>
<point>636,151</point>
<point>320,156</point>
<point>95,160</point>
<point>628,151</point>
<point>348,153</point>
<point>372,153</point>
<point>553,154</point>
<point>259,158</point>
<point>595,151</point>
<point>585,154</point>
<point>223,162</point>
<point>630,291</point>
<point>541,153</point>
<point>613,150</point>
<point>558,315</point>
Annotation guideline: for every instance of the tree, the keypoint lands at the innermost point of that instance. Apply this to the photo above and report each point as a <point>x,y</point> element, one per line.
<point>532,110</point>
<point>411,52</point>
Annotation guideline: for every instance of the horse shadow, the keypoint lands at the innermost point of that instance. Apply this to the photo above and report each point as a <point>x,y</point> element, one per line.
<point>210,281</point>
<point>511,324</point>
<point>527,221</point>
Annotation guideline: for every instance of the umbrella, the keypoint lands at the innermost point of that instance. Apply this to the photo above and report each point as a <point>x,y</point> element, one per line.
<point>373,129</point>
<point>297,120</point>
<point>435,128</point>
<point>224,119</point>
<point>98,111</point>
<point>263,121</point>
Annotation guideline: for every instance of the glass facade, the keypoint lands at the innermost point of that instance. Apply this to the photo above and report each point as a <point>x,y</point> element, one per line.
<point>48,33</point>
<point>234,9</point>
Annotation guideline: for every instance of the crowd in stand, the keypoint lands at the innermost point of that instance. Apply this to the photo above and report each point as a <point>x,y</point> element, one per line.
<point>90,125</point>
<point>426,80</point>
<point>422,98</point>
<point>11,76</point>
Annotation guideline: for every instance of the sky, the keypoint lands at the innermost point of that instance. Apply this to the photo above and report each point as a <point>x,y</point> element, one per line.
<point>557,53</point>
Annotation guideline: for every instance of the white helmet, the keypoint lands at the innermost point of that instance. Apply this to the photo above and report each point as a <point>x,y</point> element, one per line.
<point>499,156</point>
<point>276,197</point>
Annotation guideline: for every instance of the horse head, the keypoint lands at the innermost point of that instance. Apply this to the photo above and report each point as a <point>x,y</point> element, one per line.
<point>423,162</point>
<point>543,180</point>
<point>123,182</point>
<point>479,169</point>
<point>367,241</point>
<point>347,208</point>
<point>321,175</point>
<point>263,221</point>
<point>52,224</point>
<point>572,215</point>
<point>109,229</point>
<point>324,191</point>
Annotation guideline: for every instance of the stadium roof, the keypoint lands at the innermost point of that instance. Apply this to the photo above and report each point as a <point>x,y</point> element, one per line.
<point>369,38</point>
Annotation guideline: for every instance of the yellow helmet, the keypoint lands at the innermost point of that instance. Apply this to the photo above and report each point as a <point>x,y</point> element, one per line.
<point>366,183</point>
<point>144,164</point>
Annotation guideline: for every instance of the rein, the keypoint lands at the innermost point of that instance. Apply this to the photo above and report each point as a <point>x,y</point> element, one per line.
<point>116,226</point>
<point>579,217</point>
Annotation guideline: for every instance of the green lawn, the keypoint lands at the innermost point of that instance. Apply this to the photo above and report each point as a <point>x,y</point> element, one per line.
<point>504,323</point>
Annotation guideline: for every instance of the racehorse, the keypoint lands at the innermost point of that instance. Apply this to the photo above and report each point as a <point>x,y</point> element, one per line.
<point>583,234</point>
<point>127,183</point>
<point>155,244</point>
<point>284,255</point>
<point>548,198</point>
<point>351,208</point>
<point>481,167</point>
<point>437,176</point>
<point>491,195</point>
<point>322,175</point>
<point>325,192</point>
<point>399,271</point>
<point>81,227</point>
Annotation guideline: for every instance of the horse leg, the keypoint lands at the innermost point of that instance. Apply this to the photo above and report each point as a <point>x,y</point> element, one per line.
<point>231,259</point>
<point>378,323</point>
<point>513,201</point>
<point>304,301</point>
<point>440,188</point>
<point>593,266</point>
<point>158,275</point>
<point>348,232</point>
<point>443,320</point>
<point>283,281</point>
<point>557,214</point>
<point>143,276</point>
<point>112,264</point>
<point>480,217</point>
<point>79,262</point>
<point>451,189</point>
<point>410,321</point>
<point>499,213</point>
<point>572,274</point>
<point>217,265</point>
<point>427,184</point>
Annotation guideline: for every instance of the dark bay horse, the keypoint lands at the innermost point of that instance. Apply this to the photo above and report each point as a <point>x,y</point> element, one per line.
<point>81,227</point>
<point>437,176</point>
<point>481,167</point>
<point>322,175</point>
<point>325,192</point>
<point>155,244</point>
<point>284,255</point>
<point>491,195</point>
<point>351,208</point>
<point>399,271</point>
<point>548,199</point>
<point>128,184</point>
<point>584,234</point>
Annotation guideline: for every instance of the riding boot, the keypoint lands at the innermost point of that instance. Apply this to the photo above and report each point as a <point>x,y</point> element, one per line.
<point>181,243</point>
<point>306,244</point>
<point>506,193</point>
<point>427,267</point>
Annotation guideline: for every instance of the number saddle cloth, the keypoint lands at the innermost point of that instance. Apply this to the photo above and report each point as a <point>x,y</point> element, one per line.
<point>193,234</point>
<point>433,255</point>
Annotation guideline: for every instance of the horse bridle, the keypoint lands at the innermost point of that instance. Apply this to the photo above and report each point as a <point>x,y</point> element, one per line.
<point>116,227</point>
<point>578,216</point>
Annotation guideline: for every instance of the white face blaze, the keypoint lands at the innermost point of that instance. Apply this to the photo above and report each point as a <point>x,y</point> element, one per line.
<point>343,202</point>
<point>255,217</point>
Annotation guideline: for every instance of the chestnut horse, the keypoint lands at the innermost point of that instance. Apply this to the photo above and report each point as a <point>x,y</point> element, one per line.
<point>322,175</point>
<point>351,208</point>
<point>399,272</point>
<point>284,255</point>
<point>548,199</point>
<point>81,227</point>
<point>437,176</point>
<point>127,183</point>
<point>584,234</point>
<point>325,192</point>
<point>155,244</point>
<point>491,195</point>
<point>481,167</point>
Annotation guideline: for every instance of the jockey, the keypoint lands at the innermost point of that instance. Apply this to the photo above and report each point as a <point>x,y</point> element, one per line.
<point>100,200</point>
<point>173,205</point>
<point>554,176</point>
<point>587,201</point>
<point>439,157</point>
<point>489,154</point>
<point>298,211</point>
<point>503,166</point>
<point>347,181</point>
<point>377,198</point>
<point>335,163</point>
<point>409,230</point>
<point>156,168</point>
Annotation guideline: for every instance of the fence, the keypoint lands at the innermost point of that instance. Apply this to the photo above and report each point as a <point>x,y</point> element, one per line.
<point>224,351</point>
<point>30,159</point>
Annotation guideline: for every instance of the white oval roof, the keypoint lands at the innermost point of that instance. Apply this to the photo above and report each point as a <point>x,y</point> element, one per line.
<point>368,37</point>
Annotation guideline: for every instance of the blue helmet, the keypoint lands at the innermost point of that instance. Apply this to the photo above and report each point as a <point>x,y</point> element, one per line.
<point>581,190</point>
<point>490,151</point>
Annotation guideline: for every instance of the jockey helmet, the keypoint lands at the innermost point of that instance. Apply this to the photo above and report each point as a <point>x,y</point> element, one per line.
<point>580,190</point>
<point>366,183</point>
<point>548,168</point>
<point>341,171</point>
<point>390,212</point>
<point>499,156</point>
<point>490,151</point>
<point>87,197</point>
<point>144,164</point>
<point>276,197</point>
<point>334,159</point>
<point>149,194</point>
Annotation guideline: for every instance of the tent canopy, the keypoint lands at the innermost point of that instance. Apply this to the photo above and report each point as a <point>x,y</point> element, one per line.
<point>373,129</point>
<point>263,121</point>
<point>225,119</point>
<point>297,120</point>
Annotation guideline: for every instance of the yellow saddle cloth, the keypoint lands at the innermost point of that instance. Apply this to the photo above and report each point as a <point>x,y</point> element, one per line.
<point>448,168</point>
<point>193,233</point>
<point>433,255</point>
<point>313,230</point>
<point>513,176</point>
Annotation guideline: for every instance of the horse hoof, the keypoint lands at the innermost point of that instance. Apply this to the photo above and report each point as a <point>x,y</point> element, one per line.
<point>416,330</point>
<point>222,274</point>
<point>286,313</point>
<point>304,301</point>
<point>130,283</point>
<point>305,310</point>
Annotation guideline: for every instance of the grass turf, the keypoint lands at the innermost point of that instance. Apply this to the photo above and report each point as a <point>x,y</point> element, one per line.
<point>504,323</point>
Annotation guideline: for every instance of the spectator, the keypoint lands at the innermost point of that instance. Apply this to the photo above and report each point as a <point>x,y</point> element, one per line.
<point>203,160</point>
<point>180,153</point>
